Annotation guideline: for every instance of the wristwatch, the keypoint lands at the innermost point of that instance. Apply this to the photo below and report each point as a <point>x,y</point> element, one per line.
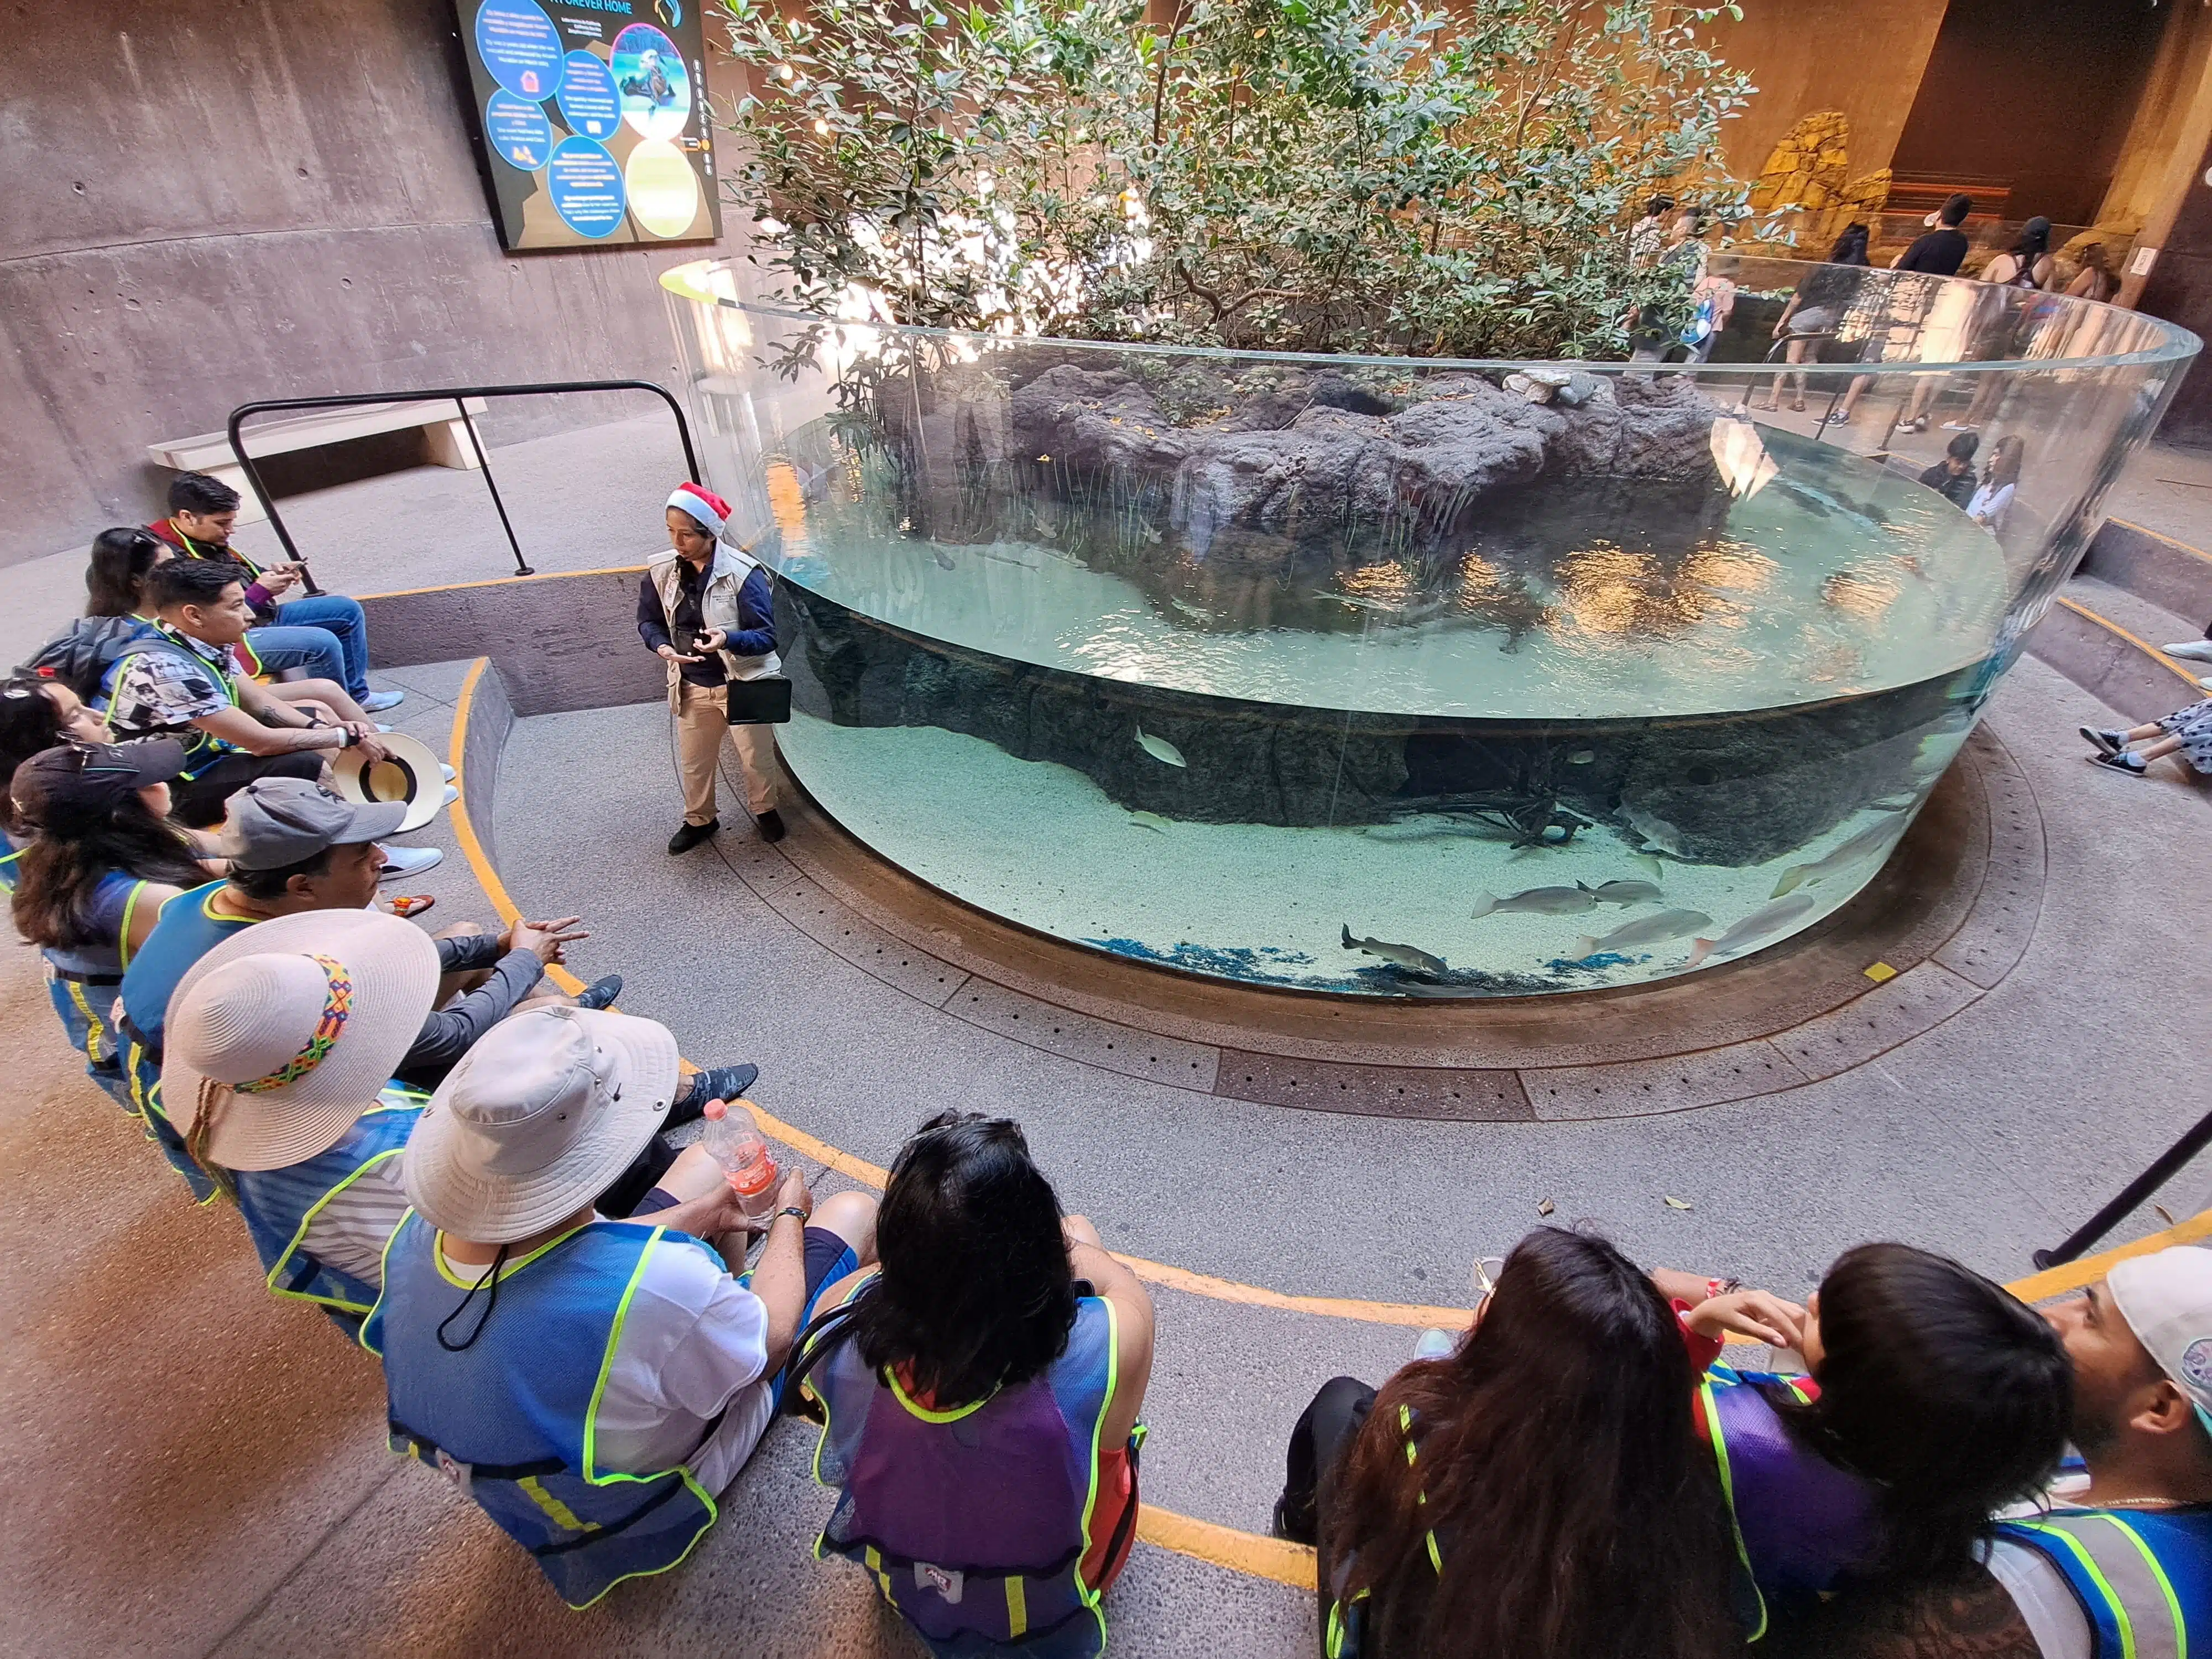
<point>790,1209</point>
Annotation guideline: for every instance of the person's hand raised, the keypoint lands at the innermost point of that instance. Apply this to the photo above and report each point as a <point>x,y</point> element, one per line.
<point>547,940</point>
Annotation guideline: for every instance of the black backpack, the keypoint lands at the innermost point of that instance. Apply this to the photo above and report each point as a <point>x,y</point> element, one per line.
<point>80,657</point>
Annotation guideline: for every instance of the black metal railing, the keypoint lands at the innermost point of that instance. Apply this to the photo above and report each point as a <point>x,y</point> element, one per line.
<point>459,396</point>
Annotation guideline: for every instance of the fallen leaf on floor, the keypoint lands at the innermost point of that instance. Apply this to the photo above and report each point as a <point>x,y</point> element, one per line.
<point>1677,1203</point>
<point>1544,1207</point>
<point>2164,1214</point>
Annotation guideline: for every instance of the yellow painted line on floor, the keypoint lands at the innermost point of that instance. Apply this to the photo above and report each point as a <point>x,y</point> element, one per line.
<point>1227,1547</point>
<point>508,581</point>
<point>2143,645</point>
<point>2160,536</point>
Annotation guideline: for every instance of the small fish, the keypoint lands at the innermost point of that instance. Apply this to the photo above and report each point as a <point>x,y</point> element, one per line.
<point>1646,862</point>
<point>1404,956</point>
<point>1537,901</point>
<point>1581,758</point>
<point>943,558</point>
<point>1623,892</point>
<point>1159,748</point>
<point>1872,842</point>
<point>1759,925</point>
<point>1196,613</point>
<point>1673,1203</point>
<point>1150,821</point>
<point>1644,930</point>
<point>1360,602</point>
<point>1659,836</point>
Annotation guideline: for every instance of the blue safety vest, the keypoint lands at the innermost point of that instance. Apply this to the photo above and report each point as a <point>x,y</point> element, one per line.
<point>82,985</point>
<point>278,1205</point>
<point>2143,1576</point>
<point>191,925</point>
<point>510,1419</point>
<point>202,750</point>
<point>975,1523</point>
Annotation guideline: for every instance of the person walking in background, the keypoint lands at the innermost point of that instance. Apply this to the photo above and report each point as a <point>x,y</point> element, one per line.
<point>2008,324</point>
<point>1816,307</point>
<point>1648,235</point>
<point>981,1391</point>
<point>326,634</point>
<point>706,610</point>
<point>1939,251</point>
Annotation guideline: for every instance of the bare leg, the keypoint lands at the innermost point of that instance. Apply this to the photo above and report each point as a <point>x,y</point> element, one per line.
<point>2139,733</point>
<point>1851,398</point>
<point>852,1217</point>
<point>2160,750</point>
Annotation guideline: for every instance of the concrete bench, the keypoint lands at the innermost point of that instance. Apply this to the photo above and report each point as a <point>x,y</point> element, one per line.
<point>445,440</point>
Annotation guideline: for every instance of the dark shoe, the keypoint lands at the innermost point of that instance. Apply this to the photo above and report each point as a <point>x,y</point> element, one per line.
<point>2133,765</point>
<point>689,835</point>
<point>723,1083</point>
<point>771,825</point>
<point>2106,742</point>
<point>1298,1523</point>
<point>600,993</point>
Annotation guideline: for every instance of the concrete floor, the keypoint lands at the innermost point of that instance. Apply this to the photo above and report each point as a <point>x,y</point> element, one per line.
<point>206,1468</point>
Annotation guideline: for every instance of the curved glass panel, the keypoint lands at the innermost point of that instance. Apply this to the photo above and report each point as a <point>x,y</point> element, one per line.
<point>1403,676</point>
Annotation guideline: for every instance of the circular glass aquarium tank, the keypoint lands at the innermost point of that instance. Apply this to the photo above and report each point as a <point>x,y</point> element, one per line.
<point>1406,677</point>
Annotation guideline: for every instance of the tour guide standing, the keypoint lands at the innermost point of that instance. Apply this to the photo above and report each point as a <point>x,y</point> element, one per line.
<point>705,608</point>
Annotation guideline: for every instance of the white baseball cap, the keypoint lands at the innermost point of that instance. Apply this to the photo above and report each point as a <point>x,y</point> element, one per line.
<point>2166,1299</point>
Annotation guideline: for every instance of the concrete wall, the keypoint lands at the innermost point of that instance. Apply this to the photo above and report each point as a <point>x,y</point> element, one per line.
<point>1862,57</point>
<point>209,201</point>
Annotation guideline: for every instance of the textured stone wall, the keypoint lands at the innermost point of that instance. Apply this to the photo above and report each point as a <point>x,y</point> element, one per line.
<point>209,201</point>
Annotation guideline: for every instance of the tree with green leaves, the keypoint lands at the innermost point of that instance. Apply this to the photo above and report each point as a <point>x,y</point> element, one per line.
<point>1311,175</point>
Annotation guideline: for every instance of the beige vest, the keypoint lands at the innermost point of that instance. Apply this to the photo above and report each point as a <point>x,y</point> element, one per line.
<point>718,607</point>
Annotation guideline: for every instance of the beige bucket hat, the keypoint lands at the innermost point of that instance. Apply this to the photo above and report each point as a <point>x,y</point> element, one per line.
<point>287,1031</point>
<point>412,777</point>
<point>537,1119</point>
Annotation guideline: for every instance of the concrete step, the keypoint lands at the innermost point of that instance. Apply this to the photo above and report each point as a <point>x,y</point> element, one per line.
<point>2171,574</point>
<point>2106,639</point>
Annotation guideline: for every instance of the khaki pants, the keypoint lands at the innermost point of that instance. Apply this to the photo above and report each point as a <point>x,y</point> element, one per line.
<point>700,720</point>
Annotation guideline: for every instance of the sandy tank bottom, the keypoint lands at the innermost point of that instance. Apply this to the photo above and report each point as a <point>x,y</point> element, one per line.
<point>1044,846</point>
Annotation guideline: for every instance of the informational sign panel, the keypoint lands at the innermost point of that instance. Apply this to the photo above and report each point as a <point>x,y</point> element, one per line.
<point>594,116</point>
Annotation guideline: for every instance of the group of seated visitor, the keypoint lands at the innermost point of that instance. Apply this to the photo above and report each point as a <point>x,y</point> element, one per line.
<point>589,1332</point>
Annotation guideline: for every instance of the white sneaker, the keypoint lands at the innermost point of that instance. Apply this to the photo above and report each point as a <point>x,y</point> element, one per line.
<point>447,770</point>
<point>452,794</point>
<point>2194,650</point>
<point>1435,1344</point>
<point>407,861</point>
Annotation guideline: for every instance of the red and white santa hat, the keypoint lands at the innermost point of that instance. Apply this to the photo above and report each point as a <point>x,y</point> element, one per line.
<point>702,504</point>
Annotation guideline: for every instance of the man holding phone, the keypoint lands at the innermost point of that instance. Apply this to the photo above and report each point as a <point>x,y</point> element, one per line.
<point>325,634</point>
<point>705,608</point>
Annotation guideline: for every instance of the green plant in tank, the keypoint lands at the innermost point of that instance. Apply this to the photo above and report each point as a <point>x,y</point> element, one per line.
<point>1316,175</point>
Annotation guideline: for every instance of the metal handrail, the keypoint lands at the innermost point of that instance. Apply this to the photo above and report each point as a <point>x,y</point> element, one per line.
<point>459,395</point>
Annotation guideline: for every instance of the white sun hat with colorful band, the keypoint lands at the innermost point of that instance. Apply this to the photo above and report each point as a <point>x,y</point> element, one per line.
<point>286,1031</point>
<point>537,1119</point>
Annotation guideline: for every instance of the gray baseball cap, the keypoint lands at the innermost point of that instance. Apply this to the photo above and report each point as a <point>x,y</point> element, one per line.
<point>277,821</point>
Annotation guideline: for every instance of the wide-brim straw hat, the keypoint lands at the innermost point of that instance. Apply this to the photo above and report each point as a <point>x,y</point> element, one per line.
<point>413,774</point>
<point>297,1023</point>
<point>540,1117</point>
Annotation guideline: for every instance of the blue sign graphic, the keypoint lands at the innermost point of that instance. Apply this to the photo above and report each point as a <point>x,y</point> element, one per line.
<point>586,187</point>
<point>521,47</point>
<point>589,103</point>
<point>518,131</point>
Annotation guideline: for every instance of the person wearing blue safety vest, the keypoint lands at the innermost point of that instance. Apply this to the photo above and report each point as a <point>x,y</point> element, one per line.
<point>104,859</point>
<point>181,679</point>
<point>2116,1561</point>
<point>980,1398</point>
<point>282,1044</point>
<point>593,1384</point>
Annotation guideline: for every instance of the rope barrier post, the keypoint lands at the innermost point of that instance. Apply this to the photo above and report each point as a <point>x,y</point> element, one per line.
<point>2169,1165</point>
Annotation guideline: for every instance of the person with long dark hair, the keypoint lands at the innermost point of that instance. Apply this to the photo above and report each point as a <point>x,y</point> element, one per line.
<point>103,859</point>
<point>1817,308</point>
<point>35,713</point>
<point>1935,1398</point>
<point>115,579</point>
<point>1539,1493</point>
<point>981,1390</point>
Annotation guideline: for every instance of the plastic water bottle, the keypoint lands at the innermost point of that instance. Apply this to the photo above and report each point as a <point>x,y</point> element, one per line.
<point>733,1142</point>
